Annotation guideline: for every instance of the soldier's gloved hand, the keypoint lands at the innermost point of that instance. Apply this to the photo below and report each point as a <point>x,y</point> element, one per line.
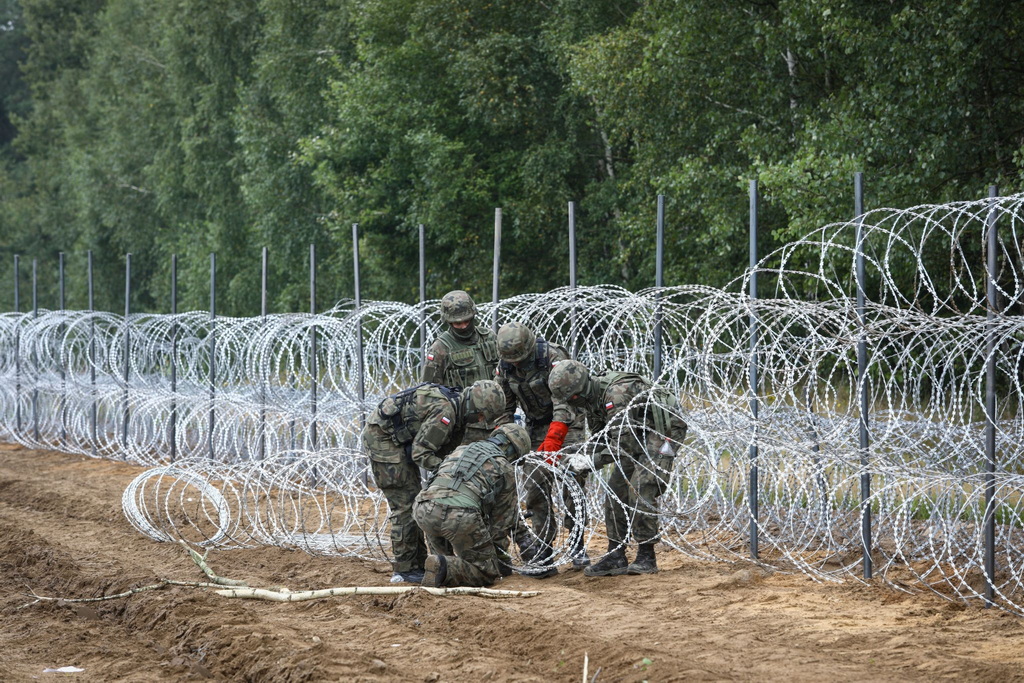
<point>554,439</point>
<point>580,462</point>
<point>550,457</point>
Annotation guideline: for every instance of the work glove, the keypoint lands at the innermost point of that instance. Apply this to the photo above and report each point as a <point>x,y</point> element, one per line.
<point>580,462</point>
<point>553,441</point>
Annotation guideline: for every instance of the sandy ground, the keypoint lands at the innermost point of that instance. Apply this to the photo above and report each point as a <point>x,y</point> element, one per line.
<point>63,534</point>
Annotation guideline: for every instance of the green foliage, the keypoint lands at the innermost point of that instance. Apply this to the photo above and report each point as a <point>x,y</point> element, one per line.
<point>191,127</point>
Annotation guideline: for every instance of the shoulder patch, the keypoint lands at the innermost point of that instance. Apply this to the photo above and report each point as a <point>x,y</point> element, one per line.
<point>445,421</point>
<point>430,356</point>
<point>609,405</point>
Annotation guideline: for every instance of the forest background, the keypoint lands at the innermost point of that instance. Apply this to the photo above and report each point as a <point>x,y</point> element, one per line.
<point>191,127</point>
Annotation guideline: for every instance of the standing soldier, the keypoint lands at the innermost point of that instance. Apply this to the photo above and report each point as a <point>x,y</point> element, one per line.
<point>462,354</point>
<point>417,428</point>
<point>522,374</point>
<point>647,435</point>
<point>468,508</point>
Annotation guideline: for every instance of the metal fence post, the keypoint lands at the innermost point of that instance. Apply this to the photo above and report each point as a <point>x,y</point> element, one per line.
<point>63,371</point>
<point>312,345</point>
<point>127,344</point>
<point>659,282</point>
<point>359,328</point>
<point>92,349</point>
<point>497,269</point>
<point>572,279</point>
<point>35,355</point>
<point>17,344</point>
<point>990,404</point>
<point>863,381</point>
<point>423,296</point>
<point>174,357</point>
<point>213,348</point>
<point>753,492</point>
<point>263,380</point>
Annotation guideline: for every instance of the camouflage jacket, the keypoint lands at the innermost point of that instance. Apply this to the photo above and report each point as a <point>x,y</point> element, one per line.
<point>477,476</point>
<point>616,390</point>
<point>528,386</point>
<point>426,419</point>
<point>455,363</point>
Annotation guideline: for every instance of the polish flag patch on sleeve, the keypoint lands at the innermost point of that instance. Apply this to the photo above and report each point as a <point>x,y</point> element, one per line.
<point>445,421</point>
<point>609,405</point>
<point>430,356</point>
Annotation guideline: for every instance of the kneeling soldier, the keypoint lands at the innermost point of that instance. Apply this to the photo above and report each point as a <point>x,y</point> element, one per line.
<point>417,428</point>
<point>469,506</point>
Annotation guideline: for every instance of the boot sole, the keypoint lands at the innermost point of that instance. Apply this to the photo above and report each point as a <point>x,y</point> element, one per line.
<point>435,571</point>
<point>618,571</point>
<point>636,571</point>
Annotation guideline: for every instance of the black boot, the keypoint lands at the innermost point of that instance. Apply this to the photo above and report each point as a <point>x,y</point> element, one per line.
<point>435,571</point>
<point>539,566</point>
<point>579,556</point>
<point>612,564</point>
<point>645,562</point>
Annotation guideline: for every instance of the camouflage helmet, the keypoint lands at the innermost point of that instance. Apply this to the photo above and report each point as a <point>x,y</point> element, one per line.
<point>486,398</point>
<point>457,307</point>
<point>516,342</point>
<point>517,436</point>
<point>567,378</point>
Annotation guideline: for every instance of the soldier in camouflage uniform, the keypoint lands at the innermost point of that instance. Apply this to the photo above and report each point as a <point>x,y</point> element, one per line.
<point>522,374</point>
<point>462,354</point>
<point>468,507</point>
<point>647,436</point>
<point>417,428</point>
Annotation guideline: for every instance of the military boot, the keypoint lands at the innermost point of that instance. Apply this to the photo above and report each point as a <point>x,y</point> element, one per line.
<point>579,556</point>
<point>612,564</point>
<point>541,569</point>
<point>435,571</point>
<point>645,562</point>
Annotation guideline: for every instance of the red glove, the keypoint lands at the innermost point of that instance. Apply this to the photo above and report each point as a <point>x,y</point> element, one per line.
<point>553,441</point>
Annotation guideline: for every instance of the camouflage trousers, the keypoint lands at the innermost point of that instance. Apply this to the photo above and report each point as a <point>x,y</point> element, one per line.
<point>464,532</point>
<point>399,481</point>
<point>538,482</point>
<point>639,479</point>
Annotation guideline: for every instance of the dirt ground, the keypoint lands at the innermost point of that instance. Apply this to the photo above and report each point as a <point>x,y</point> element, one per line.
<point>63,534</point>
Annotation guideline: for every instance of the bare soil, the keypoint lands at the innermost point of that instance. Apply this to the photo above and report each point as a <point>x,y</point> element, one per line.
<point>63,534</point>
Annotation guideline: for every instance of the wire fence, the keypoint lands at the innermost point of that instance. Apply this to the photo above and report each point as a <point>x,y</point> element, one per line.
<point>249,427</point>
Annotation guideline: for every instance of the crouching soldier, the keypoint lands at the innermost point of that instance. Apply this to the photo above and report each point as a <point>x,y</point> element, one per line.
<point>642,438</point>
<point>417,428</point>
<point>468,509</point>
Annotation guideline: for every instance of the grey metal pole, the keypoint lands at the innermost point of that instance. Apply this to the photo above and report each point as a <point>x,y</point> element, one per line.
<point>990,406</point>
<point>17,344</point>
<point>862,381</point>
<point>359,329</point>
<point>213,348</point>
<point>174,357</point>
<point>127,342</point>
<point>63,371</point>
<point>572,278</point>
<point>497,269</point>
<point>753,492</point>
<point>263,380</point>
<point>659,282</point>
<point>92,348</point>
<point>423,296</point>
<point>312,345</point>
<point>35,355</point>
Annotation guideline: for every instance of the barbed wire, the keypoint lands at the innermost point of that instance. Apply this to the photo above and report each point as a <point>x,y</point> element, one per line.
<point>222,411</point>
